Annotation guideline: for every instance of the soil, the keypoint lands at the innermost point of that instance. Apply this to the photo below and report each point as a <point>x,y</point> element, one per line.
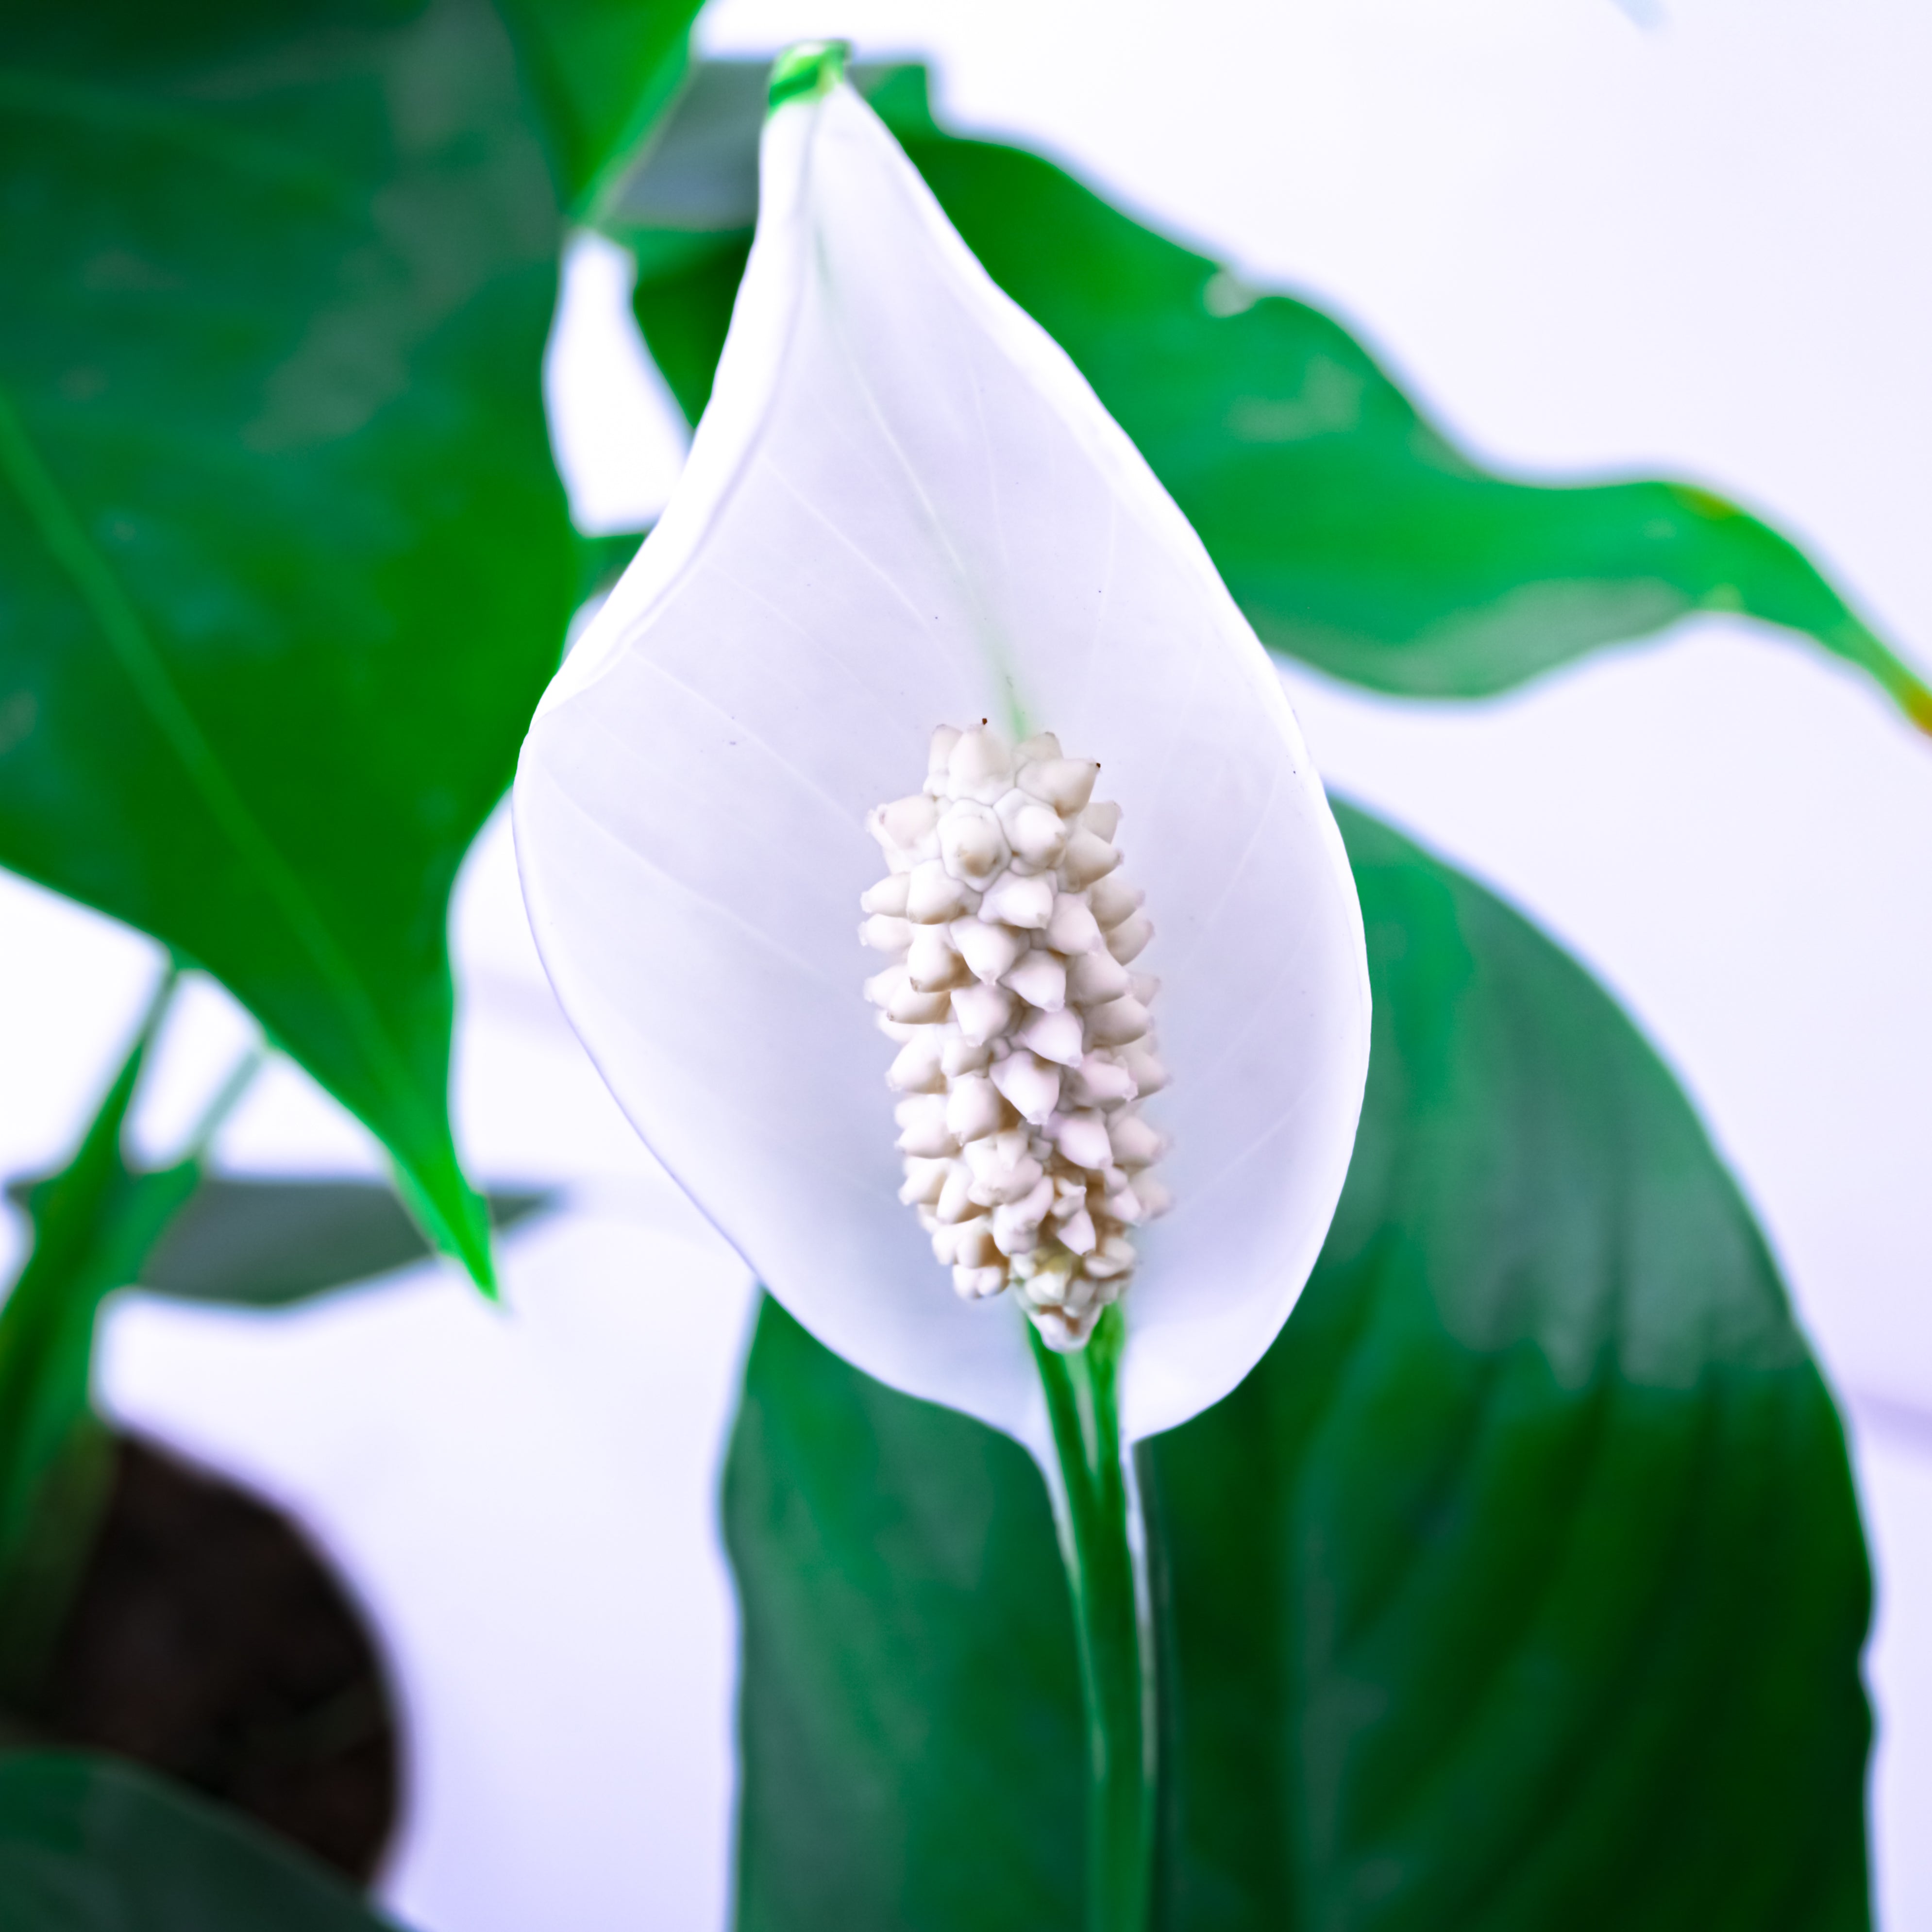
<point>210,1642</point>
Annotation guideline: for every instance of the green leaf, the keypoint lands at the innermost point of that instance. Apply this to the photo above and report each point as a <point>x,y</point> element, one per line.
<point>601,560</point>
<point>1559,1571</point>
<point>257,1243</point>
<point>94,1224</point>
<point>1351,531</point>
<point>284,563</point>
<point>1520,1585</point>
<point>89,1845</point>
<point>601,71</point>
<point>267,1243</point>
<point>911,1742</point>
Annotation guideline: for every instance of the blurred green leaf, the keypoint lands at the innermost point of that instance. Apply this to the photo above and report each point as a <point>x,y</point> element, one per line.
<point>254,1243</point>
<point>94,1224</point>
<point>90,1845</point>
<point>601,71</point>
<point>266,1244</point>
<point>284,563</point>
<point>1354,534</point>
<point>601,560</point>
<point>1521,1584</point>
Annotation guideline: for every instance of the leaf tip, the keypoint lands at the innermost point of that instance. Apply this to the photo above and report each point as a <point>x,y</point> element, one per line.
<point>453,1219</point>
<point>808,71</point>
<point>476,1252</point>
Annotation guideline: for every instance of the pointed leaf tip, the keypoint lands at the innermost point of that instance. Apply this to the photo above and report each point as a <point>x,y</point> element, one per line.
<point>809,71</point>
<point>463,1237</point>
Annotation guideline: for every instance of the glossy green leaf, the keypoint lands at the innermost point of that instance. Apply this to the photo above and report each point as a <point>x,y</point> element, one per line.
<point>1351,531</point>
<point>1521,1586</point>
<point>1563,1578</point>
<point>601,71</point>
<point>911,1741</point>
<point>90,1845</point>
<point>283,560</point>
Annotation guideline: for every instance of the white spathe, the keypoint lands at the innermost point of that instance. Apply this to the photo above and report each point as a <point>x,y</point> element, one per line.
<point>904,507</point>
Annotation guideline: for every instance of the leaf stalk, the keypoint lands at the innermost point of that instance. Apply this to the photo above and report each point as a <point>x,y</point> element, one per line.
<point>1102,1541</point>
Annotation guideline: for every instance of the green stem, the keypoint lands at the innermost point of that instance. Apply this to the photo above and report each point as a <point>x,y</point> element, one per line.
<point>1097,1509</point>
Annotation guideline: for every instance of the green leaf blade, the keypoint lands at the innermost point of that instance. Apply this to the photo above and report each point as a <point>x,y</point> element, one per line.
<point>283,560</point>
<point>269,1243</point>
<point>909,1677</point>
<point>1566,1566</point>
<point>89,1845</point>
<point>602,71</point>
<point>1352,533</point>
<point>1522,1584</point>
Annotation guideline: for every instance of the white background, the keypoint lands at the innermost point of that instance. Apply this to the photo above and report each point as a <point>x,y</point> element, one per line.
<point>1695,246</point>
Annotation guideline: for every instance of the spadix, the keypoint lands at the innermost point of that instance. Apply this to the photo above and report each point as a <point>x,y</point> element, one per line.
<point>1026,1158</point>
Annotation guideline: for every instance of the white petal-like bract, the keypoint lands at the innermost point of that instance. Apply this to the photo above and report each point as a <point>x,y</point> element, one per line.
<point>904,508</point>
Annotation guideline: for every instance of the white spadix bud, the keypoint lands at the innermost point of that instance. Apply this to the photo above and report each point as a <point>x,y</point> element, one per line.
<point>973,1109</point>
<point>983,1012</point>
<point>1149,1076</point>
<point>1035,832</point>
<point>932,896</point>
<point>931,964</point>
<point>917,1069</point>
<point>911,1007</point>
<point>1072,929</point>
<point>1113,900</point>
<point>1055,1036</point>
<point>972,844</point>
<point>990,950</point>
<point>1024,1044</point>
<point>1135,1144</point>
<point>1015,900</point>
<point>925,1180</point>
<point>961,1055</point>
<point>905,830</point>
<point>1065,783</point>
<point>1129,939</point>
<point>1040,979</point>
<point>939,758</point>
<point>1082,1138</point>
<point>884,933</point>
<point>1095,978</point>
<point>979,767</point>
<point>1087,860</point>
<point>1102,1080</point>
<point>922,1128</point>
<point>1031,1083</point>
<point>1119,1023</point>
<point>1076,1231</point>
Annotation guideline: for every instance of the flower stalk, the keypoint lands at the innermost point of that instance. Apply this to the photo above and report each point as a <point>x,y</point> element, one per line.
<point>1102,1541</point>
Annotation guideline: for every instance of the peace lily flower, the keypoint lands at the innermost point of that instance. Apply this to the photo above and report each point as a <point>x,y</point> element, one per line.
<point>905,511</point>
<point>918,601</point>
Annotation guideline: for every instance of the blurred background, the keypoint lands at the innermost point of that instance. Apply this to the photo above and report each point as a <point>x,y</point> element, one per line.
<point>1684,238</point>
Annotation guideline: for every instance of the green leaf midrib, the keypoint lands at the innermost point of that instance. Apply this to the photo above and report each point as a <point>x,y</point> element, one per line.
<point>120,624</point>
